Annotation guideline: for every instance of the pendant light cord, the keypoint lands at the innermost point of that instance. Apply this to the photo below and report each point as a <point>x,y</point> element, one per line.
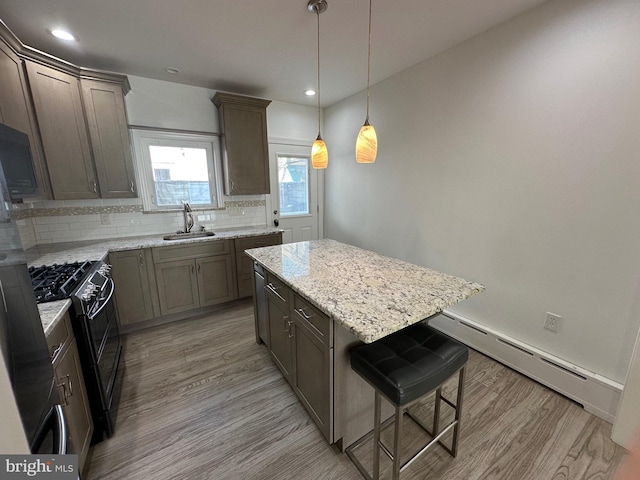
<point>318,17</point>
<point>369,61</point>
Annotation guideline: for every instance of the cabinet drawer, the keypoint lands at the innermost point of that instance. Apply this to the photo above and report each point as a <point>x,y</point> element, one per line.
<point>180,252</point>
<point>313,319</point>
<point>59,337</point>
<point>245,243</point>
<point>278,291</point>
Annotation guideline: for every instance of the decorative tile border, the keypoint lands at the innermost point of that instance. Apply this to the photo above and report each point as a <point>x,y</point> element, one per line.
<point>245,203</point>
<point>24,213</point>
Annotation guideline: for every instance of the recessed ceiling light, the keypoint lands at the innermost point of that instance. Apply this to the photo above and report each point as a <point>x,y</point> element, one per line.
<point>310,93</point>
<point>172,70</point>
<point>62,35</point>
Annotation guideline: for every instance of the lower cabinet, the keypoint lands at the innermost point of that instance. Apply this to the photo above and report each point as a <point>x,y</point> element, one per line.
<point>72,390</point>
<point>244,264</point>
<point>193,276</point>
<point>301,346</point>
<point>131,278</point>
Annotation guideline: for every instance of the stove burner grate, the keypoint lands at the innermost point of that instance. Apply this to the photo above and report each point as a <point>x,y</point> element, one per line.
<point>57,282</point>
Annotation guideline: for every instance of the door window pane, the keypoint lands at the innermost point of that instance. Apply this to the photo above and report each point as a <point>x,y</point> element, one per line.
<point>293,185</point>
<point>180,175</point>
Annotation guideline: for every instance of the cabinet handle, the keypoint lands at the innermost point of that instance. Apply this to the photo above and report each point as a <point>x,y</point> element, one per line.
<point>70,385</point>
<point>56,351</point>
<point>303,314</point>
<point>273,290</point>
<point>199,265</point>
<point>231,185</point>
<point>133,190</point>
<point>64,396</point>
<point>94,186</point>
<point>141,261</point>
<point>289,322</point>
<point>193,270</point>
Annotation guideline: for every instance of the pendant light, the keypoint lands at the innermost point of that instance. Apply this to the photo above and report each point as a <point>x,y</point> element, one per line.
<point>319,153</point>
<point>367,142</point>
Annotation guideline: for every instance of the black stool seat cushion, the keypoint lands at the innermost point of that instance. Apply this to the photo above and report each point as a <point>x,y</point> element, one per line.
<point>410,363</point>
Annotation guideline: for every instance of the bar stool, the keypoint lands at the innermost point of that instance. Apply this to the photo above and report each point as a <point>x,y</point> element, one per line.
<point>404,367</point>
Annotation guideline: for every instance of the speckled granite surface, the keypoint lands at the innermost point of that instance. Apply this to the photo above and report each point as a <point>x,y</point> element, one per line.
<point>369,294</point>
<point>91,250</point>
<point>51,312</point>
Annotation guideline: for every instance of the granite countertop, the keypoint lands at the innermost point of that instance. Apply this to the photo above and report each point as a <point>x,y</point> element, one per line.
<point>98,250</point>
<point>52,312</point>
<point>369,294</point>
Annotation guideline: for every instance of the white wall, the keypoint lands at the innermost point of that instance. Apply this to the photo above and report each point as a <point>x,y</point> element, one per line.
<point>154,103</point>
<point>512,159</point>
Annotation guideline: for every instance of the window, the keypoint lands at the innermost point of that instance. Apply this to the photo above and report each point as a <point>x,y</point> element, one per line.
<point>293,185</point>
<point>175,168</point>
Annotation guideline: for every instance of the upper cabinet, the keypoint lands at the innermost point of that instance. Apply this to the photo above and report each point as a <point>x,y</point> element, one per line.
<point>77,122</point>
<point>107,122</point>
<point>243,121</point>
<point>16,111</point>
<point>56,96</point>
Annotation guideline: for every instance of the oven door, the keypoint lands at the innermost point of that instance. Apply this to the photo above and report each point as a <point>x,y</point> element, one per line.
<point>102,327</point>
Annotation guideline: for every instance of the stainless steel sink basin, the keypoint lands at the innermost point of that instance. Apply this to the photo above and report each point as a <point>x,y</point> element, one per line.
<point>183,236</point>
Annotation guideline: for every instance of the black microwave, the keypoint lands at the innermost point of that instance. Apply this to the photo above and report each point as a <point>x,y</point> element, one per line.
<point>17,164</point>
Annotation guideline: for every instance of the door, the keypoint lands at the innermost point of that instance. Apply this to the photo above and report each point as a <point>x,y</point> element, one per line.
<point>58,105</point>
<point>131,280</point>
<point>215,279</point>
<point>280,338</point>
<point>177,286</point>
<point>295,193</point>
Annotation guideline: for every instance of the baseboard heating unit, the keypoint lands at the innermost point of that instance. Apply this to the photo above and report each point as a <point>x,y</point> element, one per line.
<point>597,394</point>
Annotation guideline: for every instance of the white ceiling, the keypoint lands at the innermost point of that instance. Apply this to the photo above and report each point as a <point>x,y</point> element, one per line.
<point>263,48</point>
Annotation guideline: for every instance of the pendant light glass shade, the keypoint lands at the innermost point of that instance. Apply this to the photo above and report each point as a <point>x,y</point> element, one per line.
<point>319,153</point>
<point>367,141</point>
<point>366,144</point>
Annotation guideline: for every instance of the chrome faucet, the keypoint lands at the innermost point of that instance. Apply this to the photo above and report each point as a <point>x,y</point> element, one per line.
<point>188,218</point>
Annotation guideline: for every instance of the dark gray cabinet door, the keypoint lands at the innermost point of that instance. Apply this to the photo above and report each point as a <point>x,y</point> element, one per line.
<point>133,291</point>
<point>312,376</point>
<point>58,106</point>
<point>177,286</point>
<point>16,111</point>
<point>280,338</point>
<point>215,280</point>
<point>107,122</point>
<point>243,121</point>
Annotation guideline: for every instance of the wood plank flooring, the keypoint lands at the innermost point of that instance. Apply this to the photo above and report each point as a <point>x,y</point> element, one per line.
<point>201,400</point>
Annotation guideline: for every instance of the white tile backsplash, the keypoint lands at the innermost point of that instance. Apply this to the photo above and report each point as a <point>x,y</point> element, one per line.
<point>64,228</point>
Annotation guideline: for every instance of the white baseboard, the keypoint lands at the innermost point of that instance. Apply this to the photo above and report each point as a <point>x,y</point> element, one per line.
<point>597,394</point>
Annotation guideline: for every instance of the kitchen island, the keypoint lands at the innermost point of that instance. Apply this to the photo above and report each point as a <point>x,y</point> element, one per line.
<point>320,298</point>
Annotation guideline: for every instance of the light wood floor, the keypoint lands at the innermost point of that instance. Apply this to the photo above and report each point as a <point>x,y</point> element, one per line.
<point>201,400</point>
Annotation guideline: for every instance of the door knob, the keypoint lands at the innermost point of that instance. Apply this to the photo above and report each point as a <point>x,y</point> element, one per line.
<point>276,222</point>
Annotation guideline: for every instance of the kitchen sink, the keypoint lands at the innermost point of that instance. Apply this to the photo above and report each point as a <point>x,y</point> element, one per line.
<point>182,235</point>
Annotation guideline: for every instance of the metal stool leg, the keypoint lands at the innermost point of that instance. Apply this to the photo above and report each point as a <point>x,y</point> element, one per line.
<point>436,412</point>
<point>397,436</point>
<point>456,429</point>
<point>376,438</point>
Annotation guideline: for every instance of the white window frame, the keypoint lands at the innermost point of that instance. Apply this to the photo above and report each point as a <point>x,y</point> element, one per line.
<point>143,139</point>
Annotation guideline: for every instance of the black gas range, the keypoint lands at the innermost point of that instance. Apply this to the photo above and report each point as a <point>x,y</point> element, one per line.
<point>95,324</point>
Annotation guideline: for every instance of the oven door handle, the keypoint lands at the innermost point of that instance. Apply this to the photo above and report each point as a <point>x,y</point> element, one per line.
<point>103,301</point>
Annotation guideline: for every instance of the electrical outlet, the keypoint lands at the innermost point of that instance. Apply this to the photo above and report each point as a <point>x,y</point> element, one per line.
<point>552,322</point>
